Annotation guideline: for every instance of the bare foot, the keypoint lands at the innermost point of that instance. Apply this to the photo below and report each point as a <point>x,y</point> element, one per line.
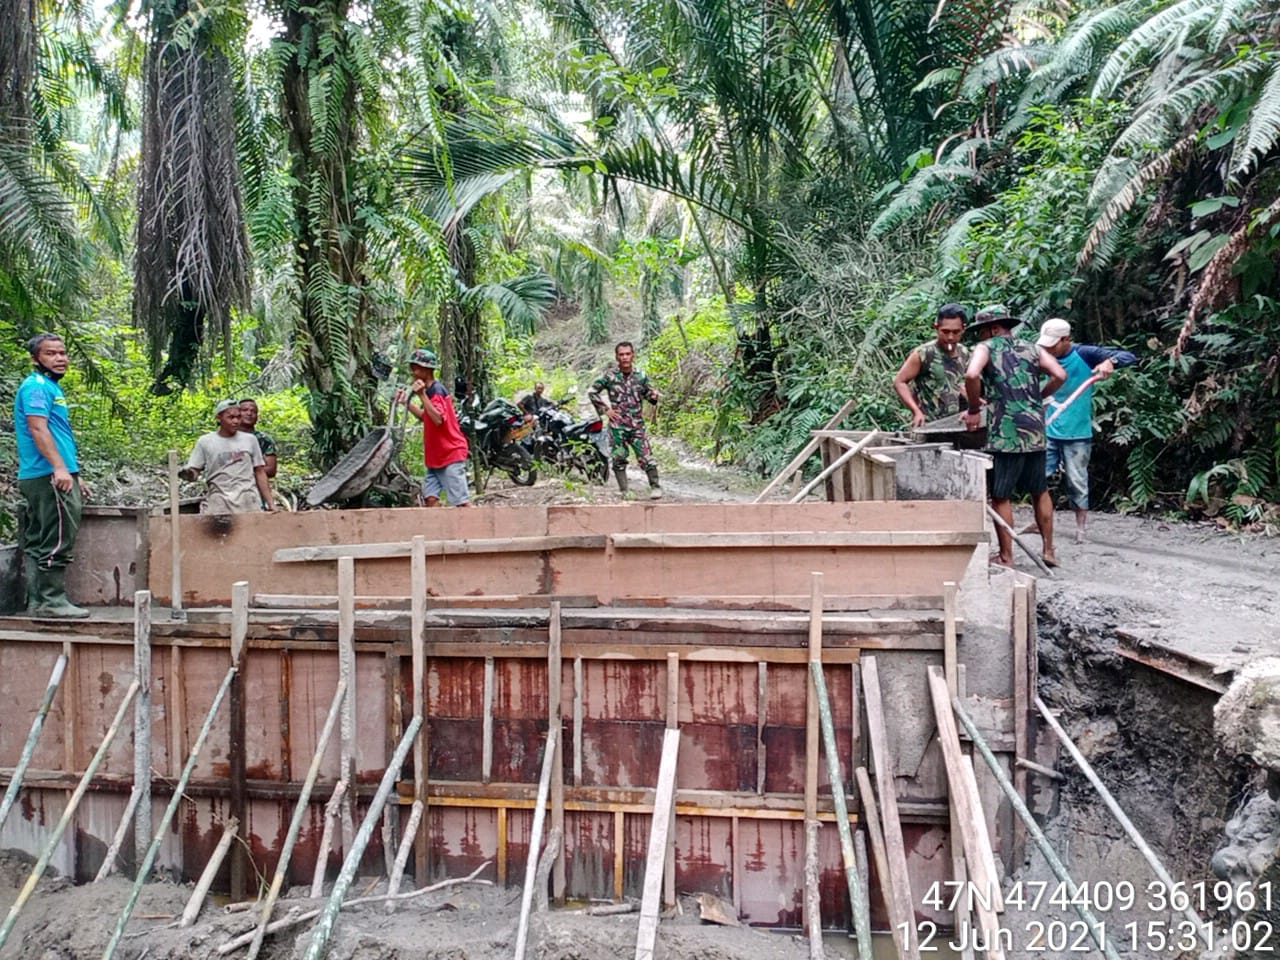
<point>1080,536</point>
<point>1050,558</point>
<point>998,561</point>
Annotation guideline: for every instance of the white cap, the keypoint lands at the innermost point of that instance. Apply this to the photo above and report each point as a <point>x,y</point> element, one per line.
<point>1053,330</point>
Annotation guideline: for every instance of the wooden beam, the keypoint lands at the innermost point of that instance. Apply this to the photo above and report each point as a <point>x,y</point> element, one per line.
<point>892,825</point>
<point>762,710</point>
<point>647,933</point>
<point>619,854</point>
<point>438,548</point>
<point>578,693</point>
<point>175,539</point>
<point>899,921</point>
<point>418,645</point>
<point>535,841</point>
<point>949,652</point>
<point>555,673</point>
<point>1021,703</point>
<point>142,718</point>
<point>738,870</point>
<point>797,539</point>
<point>798,461</point>
<point>502,846</point>
<point>673,723</point>
<point>812,902</point>
<point>238,803</point>
<point>968,817</point>
<point>347,672</point>
<point>835,465</point>
<point>809,922</point>
<point>486,722</point>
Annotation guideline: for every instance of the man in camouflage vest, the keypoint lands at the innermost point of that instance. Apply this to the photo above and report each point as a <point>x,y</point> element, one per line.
<point>931,381</point>
<point>1009,372</point>
<point>618,395</point>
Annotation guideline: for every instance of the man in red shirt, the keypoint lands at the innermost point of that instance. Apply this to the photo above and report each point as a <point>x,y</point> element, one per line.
<point>444,447</point>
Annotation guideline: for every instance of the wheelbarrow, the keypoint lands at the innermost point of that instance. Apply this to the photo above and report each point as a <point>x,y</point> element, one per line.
<point>360,466</point>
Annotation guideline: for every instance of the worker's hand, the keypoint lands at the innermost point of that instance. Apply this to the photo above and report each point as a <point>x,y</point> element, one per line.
<point>85,493</point>
<point>1105,369</point>
<point>418,386</point>
<point>188,474</point>
<point>402,396</point>
<point>972,421</point>
<point>918,419</point>
<point>62,479</point>
<point>612,414</point>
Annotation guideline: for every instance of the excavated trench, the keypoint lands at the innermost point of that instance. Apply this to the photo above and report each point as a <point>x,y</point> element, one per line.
<point>1150,738</point>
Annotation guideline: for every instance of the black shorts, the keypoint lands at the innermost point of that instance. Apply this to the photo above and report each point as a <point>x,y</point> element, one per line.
<point>1015,473</point>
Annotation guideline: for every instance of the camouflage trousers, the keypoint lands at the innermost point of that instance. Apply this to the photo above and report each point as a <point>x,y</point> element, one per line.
<point>637,441</point>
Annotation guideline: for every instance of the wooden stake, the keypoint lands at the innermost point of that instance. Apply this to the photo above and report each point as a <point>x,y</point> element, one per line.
<point>239,799</point>
<point>836,464</point>
<point>502,846</point>
<point>735,841</point>
<point>899,922</point>
<point>812,895</point>
<point>402,855</point>
<point>109,860</point>
<point>811,740</point>
<point>418,642</point>
<point>950,659</point>
<point>891,822</point>
<point>578,693</point>
<point>535,841</point>
<point>762,711</point>
<point>555,672</point>
<point>177,710</point>
<point>1021,702</point>
<point>175,540</point>
<point>486,729</point>
<point>142,720</point>
<point>619,854</point>
<point>347,674</point>
<point>647,933</point>
<point>799,460</point>
<point>196,901</point>
<point>673,723</point>
<point>300,811</point>
<point>332,814</point>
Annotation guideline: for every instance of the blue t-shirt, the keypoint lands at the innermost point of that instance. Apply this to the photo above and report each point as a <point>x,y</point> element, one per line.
<point>41,397</point>
<point>1076,422</point>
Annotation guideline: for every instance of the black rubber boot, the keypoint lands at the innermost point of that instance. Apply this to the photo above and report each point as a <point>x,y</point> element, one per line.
<point>620,474</point>
<point>655,488</point>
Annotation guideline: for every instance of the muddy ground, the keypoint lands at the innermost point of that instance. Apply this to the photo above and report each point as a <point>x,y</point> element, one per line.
<point>1191,586</point>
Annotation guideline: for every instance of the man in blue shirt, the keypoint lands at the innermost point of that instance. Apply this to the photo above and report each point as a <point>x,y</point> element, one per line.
<point>1070,427</point>
<point>49,478</point>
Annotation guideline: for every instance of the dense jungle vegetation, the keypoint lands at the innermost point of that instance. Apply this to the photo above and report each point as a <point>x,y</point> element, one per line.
<point>270,198</point>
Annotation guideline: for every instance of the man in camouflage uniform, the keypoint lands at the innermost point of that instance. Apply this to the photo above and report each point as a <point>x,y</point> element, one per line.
<point>618,395</point>
<point>1009,371</point>
<point>931,381</point>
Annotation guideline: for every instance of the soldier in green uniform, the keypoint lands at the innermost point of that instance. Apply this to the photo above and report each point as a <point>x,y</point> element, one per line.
<point>931,381</point>
<point>618,395</point>
<point>1009,372</point>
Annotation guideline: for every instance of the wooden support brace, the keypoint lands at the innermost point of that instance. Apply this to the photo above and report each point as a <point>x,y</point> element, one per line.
<point>555,672</point>
<point>142,717</point>
<point>647,933</point>
<point>347,674</point>
<point>535,842</point>
<point>196,901</point>
<point>486,722</point>
<point>239,797</point>
<point>673,723</point>
<point>418,642</point>
<point>619,854</point>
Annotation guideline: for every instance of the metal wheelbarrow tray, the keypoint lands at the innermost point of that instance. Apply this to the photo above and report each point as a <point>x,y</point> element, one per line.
<point>359,467</point>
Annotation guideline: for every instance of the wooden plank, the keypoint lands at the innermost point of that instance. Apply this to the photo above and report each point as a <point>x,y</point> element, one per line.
<point>619,854</point>
<point>896,855</point>
<point>969,817</point>
<point>393,731</point>
<point>438,548</point>
<point>70,710</point>
<point>418,646</point>
<point>900,921</point>
<point>762,709</point>
<point>811,919</point>
<point>177,711</point>
<point>238,802</point>
<point>347,672</point>
<point>738,870</point>
<point>817,538</point>
<point>673,723</point>
<point>835,465</point>
<point>796,463</point>
<point>949,653</point>
<point>142,721</point>
<point>486,728</point>
<point>535,841</point>
<point>175,539</point>
<point>577,721</point>
<point>647,932</point>
<point>555,673</point>
<point>855,730</point>
<point>812,903</point>
<point>502,846</point>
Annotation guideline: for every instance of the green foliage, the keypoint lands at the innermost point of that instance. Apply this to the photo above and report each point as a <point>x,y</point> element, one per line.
<point>688,361</point>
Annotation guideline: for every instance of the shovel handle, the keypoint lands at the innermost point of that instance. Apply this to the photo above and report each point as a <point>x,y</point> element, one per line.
<point>1059,408</point>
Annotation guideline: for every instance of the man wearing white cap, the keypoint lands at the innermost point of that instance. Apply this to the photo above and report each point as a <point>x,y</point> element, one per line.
<point>1070,432</point>
<point>234,472</point>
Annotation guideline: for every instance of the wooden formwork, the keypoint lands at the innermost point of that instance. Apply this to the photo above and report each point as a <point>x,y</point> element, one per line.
<point>692,615</point>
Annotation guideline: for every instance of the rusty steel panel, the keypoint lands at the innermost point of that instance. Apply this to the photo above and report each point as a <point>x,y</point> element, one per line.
<point>24,677</point>
<point>588,854</point>
<point>313,678</point>
<point>717,756</point>
<point>704,855</point>
<point>621,754</point>
<point>108,550</point>
<point>463,839</point>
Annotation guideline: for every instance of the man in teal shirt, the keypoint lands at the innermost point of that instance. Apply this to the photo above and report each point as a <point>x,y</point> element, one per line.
<point>49,478</point>
<point>1070,432</point>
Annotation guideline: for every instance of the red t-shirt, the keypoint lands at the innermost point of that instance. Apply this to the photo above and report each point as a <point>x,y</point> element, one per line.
<point>444,444</point>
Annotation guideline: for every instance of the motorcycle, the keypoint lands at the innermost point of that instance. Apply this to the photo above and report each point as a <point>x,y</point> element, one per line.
<point>495,433</point>
<point>568,444</point>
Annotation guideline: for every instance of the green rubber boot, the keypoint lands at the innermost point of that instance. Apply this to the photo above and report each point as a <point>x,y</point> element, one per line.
<point>655,488</point>
<point>51,590</point>
<point>620,474</point>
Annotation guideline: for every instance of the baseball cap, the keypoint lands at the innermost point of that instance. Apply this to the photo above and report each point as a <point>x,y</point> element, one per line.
<point>1053,330</point>
<point>225,405</point>
<point>424,358</point>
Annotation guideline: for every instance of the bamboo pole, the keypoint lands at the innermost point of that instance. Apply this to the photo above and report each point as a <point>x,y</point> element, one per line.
<point>1096,930</point>
<point>109,861</point>
<point>1138,841</point>
<point>175,541</point>
<point>332,811</point>
<point>299,814</point>
<point>329,916</point>
<point>402,855</point>
<point>836,464</point>
<point>51,844</point>
<point>857,890</point>
<point>145,867</point>
<point>142,722</point>
<point>210,871</point>
<point>29,748</point>
<point>535,841</point>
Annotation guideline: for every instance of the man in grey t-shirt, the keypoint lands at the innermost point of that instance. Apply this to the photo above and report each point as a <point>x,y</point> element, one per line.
<point>235,473</point>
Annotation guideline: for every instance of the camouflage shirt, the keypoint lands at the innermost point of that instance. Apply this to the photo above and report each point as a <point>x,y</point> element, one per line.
<point>1011,382</point>
<point>939,387</point>
<point>266,442</point>
<point>625,391</point>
